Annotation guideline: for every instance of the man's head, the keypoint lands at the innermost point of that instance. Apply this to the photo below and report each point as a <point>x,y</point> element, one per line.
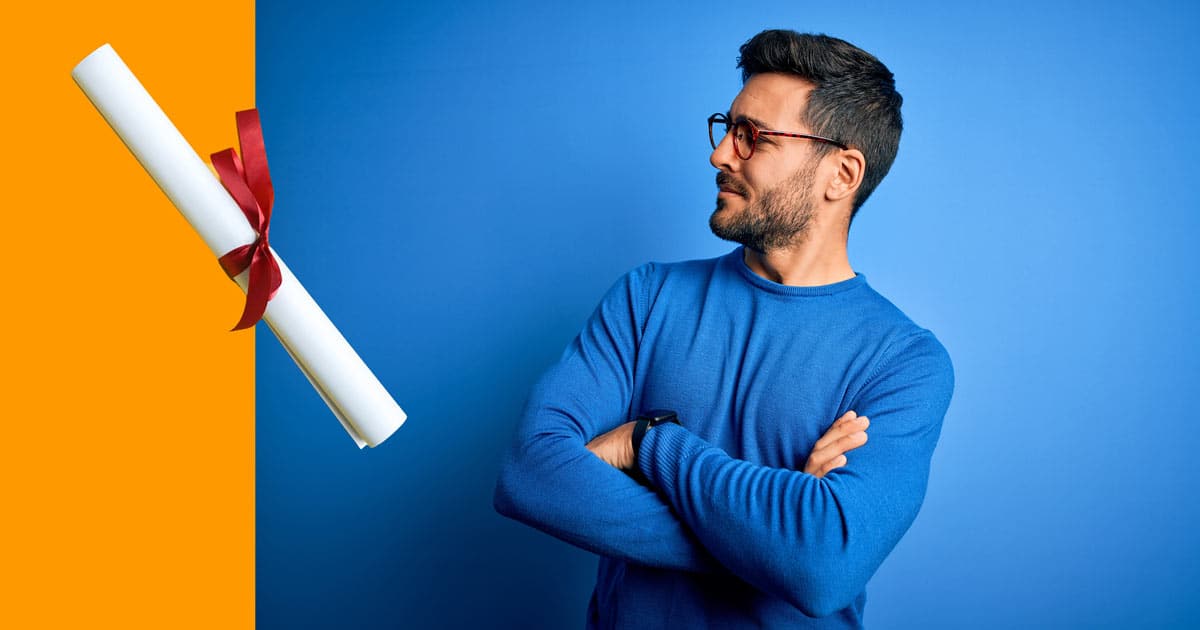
<point>810,85</point>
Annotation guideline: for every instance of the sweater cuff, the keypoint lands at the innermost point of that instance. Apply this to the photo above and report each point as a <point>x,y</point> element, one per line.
<point>663,451</point>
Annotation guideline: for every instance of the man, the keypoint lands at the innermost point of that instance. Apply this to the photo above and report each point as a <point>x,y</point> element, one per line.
<point>743,514</point>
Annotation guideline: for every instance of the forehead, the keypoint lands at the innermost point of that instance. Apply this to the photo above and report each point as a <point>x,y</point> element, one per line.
<point>773,99</point>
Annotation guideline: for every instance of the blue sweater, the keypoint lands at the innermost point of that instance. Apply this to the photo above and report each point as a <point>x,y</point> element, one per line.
<point>729,532</point>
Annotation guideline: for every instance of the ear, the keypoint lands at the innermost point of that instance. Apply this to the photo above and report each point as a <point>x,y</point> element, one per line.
<point>849,165</point>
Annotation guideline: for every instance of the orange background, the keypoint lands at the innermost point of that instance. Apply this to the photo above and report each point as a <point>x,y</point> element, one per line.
<point>127,462</point>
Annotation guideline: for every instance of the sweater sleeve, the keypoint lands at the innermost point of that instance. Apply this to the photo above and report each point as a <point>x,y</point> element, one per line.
<point>551,481</point>
<point>815,541</point>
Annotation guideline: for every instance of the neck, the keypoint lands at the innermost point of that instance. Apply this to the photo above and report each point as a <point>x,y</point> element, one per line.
<point>810,262</point>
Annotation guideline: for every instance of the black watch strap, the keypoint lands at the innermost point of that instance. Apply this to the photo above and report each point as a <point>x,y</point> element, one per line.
<point>648,420</point>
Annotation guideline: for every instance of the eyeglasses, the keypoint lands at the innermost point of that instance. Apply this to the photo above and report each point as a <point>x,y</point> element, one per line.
<point>745,135</point>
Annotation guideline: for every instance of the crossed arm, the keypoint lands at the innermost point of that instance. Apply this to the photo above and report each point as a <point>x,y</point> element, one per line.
<point>812,537</point>
<point>584,494</point>
<point>846,434</point>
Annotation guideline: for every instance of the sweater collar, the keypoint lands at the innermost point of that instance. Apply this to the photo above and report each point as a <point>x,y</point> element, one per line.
<point>736,259</point>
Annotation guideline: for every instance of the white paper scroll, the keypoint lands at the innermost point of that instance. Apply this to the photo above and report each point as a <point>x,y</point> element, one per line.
<point>346,384</point>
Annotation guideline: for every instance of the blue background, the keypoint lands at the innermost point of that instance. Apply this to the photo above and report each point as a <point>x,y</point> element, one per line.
<point>457,187</point>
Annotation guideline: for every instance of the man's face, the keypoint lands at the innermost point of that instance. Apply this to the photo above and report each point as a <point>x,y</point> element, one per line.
<point>767,202</point>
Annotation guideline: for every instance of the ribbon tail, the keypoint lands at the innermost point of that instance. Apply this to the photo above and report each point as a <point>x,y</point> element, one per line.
<point>233,178</point>
<point>254,158</point>
<point>258,290</point>
<point>248,181</point>
<point>237,260</point>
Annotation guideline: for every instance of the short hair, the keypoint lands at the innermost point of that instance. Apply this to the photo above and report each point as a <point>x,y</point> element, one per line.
<point>854,102</point>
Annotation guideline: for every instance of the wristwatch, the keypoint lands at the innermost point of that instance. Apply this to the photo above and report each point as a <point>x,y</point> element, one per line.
<point>648,420</point>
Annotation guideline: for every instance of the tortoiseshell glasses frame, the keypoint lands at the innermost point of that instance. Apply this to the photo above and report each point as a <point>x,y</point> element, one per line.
<point>745,135</point>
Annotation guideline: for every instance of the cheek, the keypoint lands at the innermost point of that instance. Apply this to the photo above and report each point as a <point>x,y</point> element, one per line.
<point>768,176</point>
<point>757,182</point>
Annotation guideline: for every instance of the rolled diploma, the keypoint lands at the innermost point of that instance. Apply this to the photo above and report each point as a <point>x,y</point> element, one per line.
<point>344,382</point>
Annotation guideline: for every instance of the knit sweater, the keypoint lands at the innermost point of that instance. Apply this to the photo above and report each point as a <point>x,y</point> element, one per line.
<point>726,530</point>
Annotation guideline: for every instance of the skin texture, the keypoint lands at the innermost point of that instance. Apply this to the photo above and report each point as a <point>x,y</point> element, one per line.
<point>847,433</point>
<point>815,254</point>
<point>791,209</point>
<point>780,217</point>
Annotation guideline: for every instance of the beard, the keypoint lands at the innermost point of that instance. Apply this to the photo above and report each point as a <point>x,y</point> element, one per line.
<point>779,219</point>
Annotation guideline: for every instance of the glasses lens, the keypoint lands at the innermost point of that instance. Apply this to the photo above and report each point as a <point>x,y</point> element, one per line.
<point>717,128</point>
<point>743,140</point>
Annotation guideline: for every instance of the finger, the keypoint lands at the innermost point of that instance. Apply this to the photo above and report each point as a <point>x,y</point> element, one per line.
<point>838,447</point>
<point>835,430</point>
<point>849,442</point>
<point>847,419</point>
<point>844,426</point>
<point>856,422</point>
<point>848,422</point>
<point>833,464</point>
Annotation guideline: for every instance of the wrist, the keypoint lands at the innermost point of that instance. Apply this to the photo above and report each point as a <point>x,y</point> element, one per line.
<point>645,422</point>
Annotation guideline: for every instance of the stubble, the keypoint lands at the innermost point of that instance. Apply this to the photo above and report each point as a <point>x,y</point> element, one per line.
<point>780,218</point>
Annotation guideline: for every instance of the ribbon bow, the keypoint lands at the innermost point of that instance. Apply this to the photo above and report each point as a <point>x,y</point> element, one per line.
<point>249,183</point>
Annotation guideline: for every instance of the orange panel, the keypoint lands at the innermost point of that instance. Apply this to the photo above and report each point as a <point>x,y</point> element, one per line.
<point>127,456</point>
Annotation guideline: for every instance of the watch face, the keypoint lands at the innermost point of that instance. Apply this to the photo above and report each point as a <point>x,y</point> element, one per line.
<point>659,416</point>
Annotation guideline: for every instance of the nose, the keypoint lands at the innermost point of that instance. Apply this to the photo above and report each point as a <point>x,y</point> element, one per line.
<point>723,158</point>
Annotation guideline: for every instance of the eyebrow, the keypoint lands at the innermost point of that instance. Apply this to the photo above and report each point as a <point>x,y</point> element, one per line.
<point>756,122</point>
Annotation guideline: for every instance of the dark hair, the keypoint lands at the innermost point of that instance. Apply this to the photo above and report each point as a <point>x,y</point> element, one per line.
<point>854,102</point>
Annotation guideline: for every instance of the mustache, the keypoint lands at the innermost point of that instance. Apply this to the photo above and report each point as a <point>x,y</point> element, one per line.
<point>725,180</point>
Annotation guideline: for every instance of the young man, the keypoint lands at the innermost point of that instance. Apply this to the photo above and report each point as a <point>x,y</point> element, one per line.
<point>743,514</point>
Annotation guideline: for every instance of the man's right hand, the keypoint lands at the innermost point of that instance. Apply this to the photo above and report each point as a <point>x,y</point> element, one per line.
<point>847,433</point>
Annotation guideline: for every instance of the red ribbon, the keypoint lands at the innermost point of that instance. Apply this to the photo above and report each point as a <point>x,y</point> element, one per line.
<point>249,183</point>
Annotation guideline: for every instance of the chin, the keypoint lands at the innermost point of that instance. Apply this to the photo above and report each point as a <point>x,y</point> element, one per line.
<point>721,228</point>
<point>723,203</point>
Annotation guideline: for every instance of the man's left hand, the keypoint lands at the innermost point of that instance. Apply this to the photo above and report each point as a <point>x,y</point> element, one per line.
<point>616,447</point>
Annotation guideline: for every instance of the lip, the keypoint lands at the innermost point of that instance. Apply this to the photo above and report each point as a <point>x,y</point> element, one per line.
<point>725,186</point>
